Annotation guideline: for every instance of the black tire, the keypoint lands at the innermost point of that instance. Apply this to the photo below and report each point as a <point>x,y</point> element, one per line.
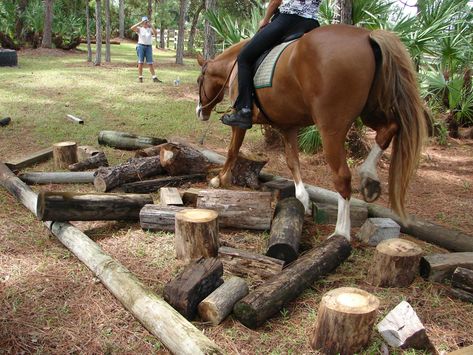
<point>8,58</point>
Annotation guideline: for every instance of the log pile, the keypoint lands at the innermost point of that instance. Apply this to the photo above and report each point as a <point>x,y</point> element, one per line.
<point>180,159</point>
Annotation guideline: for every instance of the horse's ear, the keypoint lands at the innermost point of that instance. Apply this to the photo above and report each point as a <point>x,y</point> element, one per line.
<point>200,59</point>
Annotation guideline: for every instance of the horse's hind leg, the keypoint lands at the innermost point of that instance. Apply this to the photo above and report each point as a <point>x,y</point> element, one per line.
<point>370,185</point>
<point>292,160</point>
<point>224,178</point>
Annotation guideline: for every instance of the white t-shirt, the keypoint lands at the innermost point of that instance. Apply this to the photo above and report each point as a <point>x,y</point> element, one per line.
<point>303,8</point>
<point>145,35</point>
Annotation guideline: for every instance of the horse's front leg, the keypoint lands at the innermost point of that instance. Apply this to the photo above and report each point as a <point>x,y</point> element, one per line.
<point>292,159</point>
<point>224,178</point>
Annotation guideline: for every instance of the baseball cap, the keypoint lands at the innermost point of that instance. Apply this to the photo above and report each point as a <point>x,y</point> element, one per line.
<point>144,18</point>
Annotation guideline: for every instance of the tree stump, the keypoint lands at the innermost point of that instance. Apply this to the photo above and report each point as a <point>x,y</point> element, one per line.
<point>64,154</point>
<point>219,304</point>
<point>345,320</point>
<point>179,159</point>
<point>247,168</point>
<point>286,230</point>
<point>196,234</point>
<point>396,263</point>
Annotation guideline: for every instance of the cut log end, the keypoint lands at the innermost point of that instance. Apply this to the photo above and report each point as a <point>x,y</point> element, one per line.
<point>351,301</point>
<point>197,215</point>
<point>399,247</point>
<point>100,184</point>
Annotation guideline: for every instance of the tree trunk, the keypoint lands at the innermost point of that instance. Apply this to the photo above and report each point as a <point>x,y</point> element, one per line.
<point>196,234</point>
<point>437,267</point>
<point>128,141</point>
<point>135,169</point>
<point>346,11</point>
<point>286,230</point>
<point>209,32</point>
<point>87,23</point>
<point>195,20</point>
<point>162,43</point>
<point>150,10</point>
<point>58,178</point>
<point>219,304</point>
<point>48,22</point>
<point>245,263</point>
<point>121,18</point>
<point>148,186</point>
<point>98,32</point>
<point>180,36</point>
<point>396,263</point>
<point>107,31</point>
<point>68,206</point>
<point>266,300</point>
<point>65,154</point>
<point>93,162</point>
<point>344,321</point>
<point>198,280</point>
<point>22,4</point>
<point>29,160</point>
<point>159,218</point>
<point>179,159</point>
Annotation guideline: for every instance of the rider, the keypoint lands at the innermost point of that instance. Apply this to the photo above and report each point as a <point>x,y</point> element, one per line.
<point>290,17</point>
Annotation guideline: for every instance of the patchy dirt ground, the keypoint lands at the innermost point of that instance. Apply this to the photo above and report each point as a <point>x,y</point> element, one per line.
<point>51,303</point>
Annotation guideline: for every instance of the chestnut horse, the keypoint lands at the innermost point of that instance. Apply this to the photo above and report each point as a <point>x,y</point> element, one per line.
<point>329,77</point>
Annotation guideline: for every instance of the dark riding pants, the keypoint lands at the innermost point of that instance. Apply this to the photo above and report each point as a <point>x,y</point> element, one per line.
<point>282,26</point>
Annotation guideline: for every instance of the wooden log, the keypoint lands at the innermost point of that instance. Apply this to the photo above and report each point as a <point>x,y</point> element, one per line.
<point>5,121</point>
<point>31,159</point>
<point>344,321</point>
<point>396,263</point>
<point>266,300</point>
<point>196,234</point>
<point>175,332</point>
<point>323,213</point>
<point>95,161</point>
<point>219,304</point>
<point>461,294</point>
<point>247,168</point>
<point>178,159</point>
<point>245,263</point>
<point>127,141</point>
<point>286,230</point>
<point>69,206</point>
<point>280,189</point>
<point>153,185</point>
<point>58,177</point>
<point>190,196</point>
<point>198,280</point>
<point>134,169</point>
<point>64,154</point>
<point>463,278</point>
<point>170,196</point>
<point>465,132</point>
<point>159,218</point>
<point>86,151</point>
<point>148,152</point>
<point>463,351</point>
<point>75,119</point>
<point>239,209</point>
<point>402,328</point>
<point>437,267</point>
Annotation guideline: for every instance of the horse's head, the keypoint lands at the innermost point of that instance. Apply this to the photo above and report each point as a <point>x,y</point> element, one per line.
<point>211,89</point>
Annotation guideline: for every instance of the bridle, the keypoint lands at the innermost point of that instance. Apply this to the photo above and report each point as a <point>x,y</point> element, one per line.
<point>202,88</point>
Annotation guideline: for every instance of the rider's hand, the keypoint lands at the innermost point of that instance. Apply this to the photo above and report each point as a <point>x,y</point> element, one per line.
<point>263,23</point>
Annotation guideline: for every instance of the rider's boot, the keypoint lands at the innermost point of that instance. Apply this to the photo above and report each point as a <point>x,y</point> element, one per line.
<point>239,118</point>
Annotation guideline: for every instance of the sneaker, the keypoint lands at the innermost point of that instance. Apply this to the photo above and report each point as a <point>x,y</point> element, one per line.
<point>156,80</point>
<point>241,118</point>
<point>140,79</point>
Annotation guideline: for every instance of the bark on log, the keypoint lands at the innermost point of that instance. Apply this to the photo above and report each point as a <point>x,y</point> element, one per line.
<point>461,294</point>
<point>127,141</point>
<point>178,159</point>
<point>190,196</point>
<point>65,154</point>
<point>396,263</point>
<point>170,196</point>
<point>247,168</point>
<point>68,206</point>
<point>86,151</point>
<point>75,119</point>
<point>58,178</point>
<point>95,161</point>
<point>196,234</point>
<point>402,328</point>
<point>327,214</point>
<point>437,267</point>
<point>344,321</point>
<point>29,160</point>
<point>159,218</point>
<point>238,209</point>
<point>219,304</point>
<point>245,263</point>
<point>135,169</point>
<point>148,152</point>
<point>153,185</point>
<point>286,230</point>
<point>463,278</point>
<point>280,189</point>
<point>175,332</point>
<point>266,300</point>
<point>198,280</point>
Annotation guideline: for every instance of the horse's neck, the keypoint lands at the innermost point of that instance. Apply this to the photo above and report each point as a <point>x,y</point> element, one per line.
<point>224,63</point>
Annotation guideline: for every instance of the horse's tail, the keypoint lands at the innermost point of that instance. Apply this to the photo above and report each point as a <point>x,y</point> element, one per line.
<point>398,96</point>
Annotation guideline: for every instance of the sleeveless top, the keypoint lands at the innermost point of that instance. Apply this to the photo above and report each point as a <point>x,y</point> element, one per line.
<point>145,36</point>
<point>303,8</point>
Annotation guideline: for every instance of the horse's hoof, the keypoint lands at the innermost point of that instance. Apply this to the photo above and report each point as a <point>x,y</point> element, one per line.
<point>371,189</point>
<point>215,182</point>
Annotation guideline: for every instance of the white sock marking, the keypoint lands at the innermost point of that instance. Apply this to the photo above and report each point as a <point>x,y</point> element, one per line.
<point>302,196</point>
<point>343,226</point>
<point>368,168</point>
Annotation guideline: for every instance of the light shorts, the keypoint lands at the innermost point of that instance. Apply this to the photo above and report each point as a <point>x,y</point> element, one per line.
<point>144,51</point>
